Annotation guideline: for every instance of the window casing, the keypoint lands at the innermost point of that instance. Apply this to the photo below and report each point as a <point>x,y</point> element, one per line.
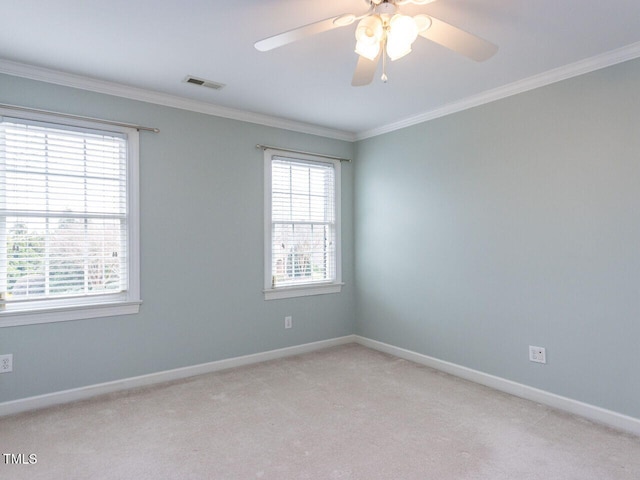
<point>69,241</point>
<point>302,225</point>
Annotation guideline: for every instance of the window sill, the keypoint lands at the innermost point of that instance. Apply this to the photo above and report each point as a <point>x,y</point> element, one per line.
<point>63,314</point>
<point>302,291</point>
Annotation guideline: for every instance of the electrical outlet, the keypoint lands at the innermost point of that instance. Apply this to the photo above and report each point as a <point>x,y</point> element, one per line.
<point>537,354</point>
<point>288,321</point>
<point>6,363</point>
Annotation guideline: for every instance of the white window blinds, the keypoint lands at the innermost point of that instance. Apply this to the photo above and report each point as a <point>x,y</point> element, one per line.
<point>303,222</point>
<point>63,212</point>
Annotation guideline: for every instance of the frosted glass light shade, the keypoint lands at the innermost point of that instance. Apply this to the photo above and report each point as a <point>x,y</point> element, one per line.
<point>397,50</point>
<point>369,30</point>
<point>368,50</point>
<point>403,29</point>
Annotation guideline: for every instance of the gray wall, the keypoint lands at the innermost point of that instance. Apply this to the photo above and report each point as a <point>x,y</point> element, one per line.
<point>202,254</point>
<point>512,224</point>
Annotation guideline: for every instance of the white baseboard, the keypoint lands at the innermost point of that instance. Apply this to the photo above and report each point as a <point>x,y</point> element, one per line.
<point>591,412</point>
<point>83,393</point>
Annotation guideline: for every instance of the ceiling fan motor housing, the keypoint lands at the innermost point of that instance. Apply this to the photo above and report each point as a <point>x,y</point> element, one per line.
<point>386,8</point>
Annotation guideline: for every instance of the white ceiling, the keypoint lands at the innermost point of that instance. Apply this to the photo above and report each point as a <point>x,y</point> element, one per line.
<point>154,44</point>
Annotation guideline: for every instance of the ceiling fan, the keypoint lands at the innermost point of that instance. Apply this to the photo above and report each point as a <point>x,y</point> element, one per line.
<point>384,32</point>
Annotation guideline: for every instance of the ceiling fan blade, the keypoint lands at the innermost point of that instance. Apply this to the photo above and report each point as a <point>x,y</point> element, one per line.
<point>365,70</point>
<point>297,34</point>
<point>458,40</point>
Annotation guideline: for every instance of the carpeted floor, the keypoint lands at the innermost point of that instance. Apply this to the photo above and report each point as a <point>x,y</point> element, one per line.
<point>343,413</point>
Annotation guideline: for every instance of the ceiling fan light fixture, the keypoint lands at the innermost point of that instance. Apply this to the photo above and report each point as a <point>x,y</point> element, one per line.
<point>403,29</point>
<point>368,50</point>
<point>397,50</point>
<point>421,2</point>
<point>369,30</point>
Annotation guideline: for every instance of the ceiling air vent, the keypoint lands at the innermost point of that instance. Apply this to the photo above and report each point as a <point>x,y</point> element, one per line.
<point>203,83</point>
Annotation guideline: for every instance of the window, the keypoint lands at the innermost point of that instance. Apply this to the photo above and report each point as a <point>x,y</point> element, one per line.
<point>302,225</point>
<point>68,220</point>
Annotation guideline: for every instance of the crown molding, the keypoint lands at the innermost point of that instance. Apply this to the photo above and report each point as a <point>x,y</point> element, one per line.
<point>42,74</point>
<point>581,67</point>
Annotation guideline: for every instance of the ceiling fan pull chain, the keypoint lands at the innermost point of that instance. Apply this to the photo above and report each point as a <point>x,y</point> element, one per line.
<point>384,77</point>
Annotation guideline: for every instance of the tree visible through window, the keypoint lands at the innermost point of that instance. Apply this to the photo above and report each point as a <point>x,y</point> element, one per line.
<point>303,225</point>
<point>64,214</point>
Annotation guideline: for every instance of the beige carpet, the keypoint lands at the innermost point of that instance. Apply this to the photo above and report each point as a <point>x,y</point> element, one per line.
<point>342,413</point>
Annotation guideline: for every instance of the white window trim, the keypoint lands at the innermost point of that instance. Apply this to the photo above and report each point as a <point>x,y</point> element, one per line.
<point>271,293</point>
<point>125,303</point>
